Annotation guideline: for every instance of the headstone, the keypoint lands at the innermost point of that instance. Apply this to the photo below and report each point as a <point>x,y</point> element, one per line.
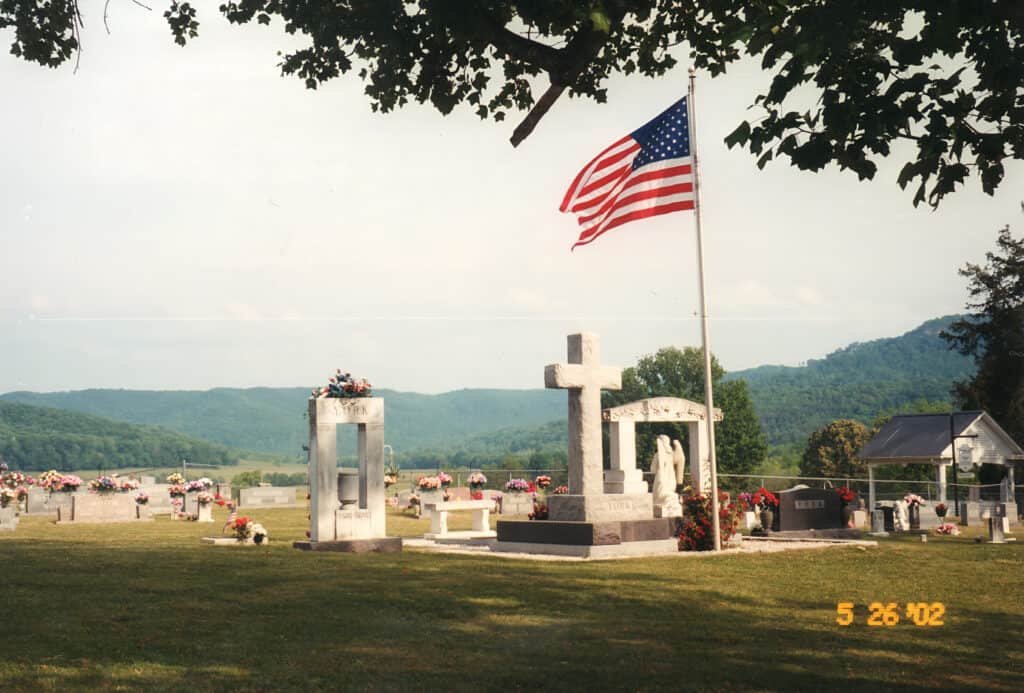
<point>809,508</point>
<point>429,497</point>
<point>8,519</point>
<point>517,503</point>
<point>268,497</point>
<point>42,502</point>
<point>360,527</point>
<point>750,520</point>
<point>878,522</point>
<point>459,493</point>
<point>995,516</point>
<point>623,477</point>
<point>860,518</point>
<point>103,507</point>
<point>147,481</point>
<point>584,377</point>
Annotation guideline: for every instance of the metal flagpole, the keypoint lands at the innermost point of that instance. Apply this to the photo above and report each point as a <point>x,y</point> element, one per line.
<point>708,401</point>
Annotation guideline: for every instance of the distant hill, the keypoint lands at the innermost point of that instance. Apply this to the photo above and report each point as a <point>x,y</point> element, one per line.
<point>858,381</point>
<point>274,419</point>
<point>40,438</point>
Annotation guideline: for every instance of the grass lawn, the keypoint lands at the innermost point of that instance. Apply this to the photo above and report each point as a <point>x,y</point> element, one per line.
<point>147,607</point>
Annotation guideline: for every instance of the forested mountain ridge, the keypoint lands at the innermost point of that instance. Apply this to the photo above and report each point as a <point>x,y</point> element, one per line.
<point>274,419</point>
<point>40,438</point>
<point>858,382</point>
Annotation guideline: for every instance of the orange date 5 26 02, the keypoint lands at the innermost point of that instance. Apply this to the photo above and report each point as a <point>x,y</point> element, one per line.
<point>888,614</point>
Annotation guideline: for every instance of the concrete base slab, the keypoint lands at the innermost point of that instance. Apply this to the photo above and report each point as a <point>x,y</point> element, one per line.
<point>601,508</point>
<point>658,547</point>
<point>466,537</point>
<point>230,541</point>
<point>381,545</point>
<point>586,533</point>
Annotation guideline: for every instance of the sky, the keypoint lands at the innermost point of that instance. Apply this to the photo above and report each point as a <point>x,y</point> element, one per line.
<point>187,218</point>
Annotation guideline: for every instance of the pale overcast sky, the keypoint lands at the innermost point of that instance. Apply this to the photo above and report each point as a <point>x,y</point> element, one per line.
<point>187,218</point>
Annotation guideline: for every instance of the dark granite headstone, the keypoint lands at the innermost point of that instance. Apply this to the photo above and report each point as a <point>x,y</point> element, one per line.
<point>809,508</point>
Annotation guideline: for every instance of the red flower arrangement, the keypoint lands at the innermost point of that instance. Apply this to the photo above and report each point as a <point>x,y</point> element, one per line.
<point>697,533</point>
<point>845,494</point>
<point>765,499</point>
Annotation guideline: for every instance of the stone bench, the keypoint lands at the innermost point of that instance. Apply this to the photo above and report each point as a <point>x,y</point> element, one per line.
<point>481,519</point>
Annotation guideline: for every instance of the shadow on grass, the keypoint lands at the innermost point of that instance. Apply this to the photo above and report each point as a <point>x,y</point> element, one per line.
<point>148,607</point>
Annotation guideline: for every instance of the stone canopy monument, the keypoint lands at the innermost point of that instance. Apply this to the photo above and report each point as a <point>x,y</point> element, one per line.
<point>589,522</point>
<point>360,527</point>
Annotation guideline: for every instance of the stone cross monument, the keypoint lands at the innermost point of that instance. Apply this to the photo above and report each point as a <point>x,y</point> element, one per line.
<point>584,377</point>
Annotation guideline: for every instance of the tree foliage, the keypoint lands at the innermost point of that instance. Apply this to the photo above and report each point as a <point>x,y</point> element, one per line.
<point>832,450</point>
<point>41,438</point>
<point>848,78</point>
<point>994,336</point>
<point>673,372</point>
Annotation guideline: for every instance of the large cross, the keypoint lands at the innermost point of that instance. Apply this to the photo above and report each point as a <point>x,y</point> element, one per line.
<point>584,377</point>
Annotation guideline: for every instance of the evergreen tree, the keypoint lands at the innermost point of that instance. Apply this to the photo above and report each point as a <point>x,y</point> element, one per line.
<point>994,336</point>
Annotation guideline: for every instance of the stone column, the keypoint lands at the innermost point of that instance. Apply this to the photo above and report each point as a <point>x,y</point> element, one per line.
<point>323,476</point>
<point>623,476</point>
<point>700,456</point>
<point>942,482</point>
<point>371,474</point>
<point>871,488</point>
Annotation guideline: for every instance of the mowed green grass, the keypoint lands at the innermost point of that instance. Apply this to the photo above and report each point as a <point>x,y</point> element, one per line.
<point>146,606</point>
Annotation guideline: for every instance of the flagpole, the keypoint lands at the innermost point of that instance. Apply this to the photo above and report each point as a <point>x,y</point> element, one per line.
<point>709,402</point>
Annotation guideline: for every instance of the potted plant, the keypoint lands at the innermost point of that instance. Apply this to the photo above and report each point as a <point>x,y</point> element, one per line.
<point>914,503</point>
<point>476,485</point>
<point>847,498</point>
<point>517,486</point>
<point>103,485</point>
<point>766,502</point>
<point>445,479</point>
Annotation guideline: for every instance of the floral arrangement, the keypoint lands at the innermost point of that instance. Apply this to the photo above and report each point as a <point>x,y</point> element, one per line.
<point>242,528</point>
<point>6,496</point>
<point>176,505</point>
<point>561,490</point>
<point>912,499</point>
<point>765,499</point>
<point>845,494</point>
<point>428,483</point>
<point>542,481</point>
<point>948,529</point>
<point>343,385</point>
<point>390,480</point>
<point>445,479</point>
<point>940,509</point>
<point>16,479</point>
<point>204,497</point>
<point>175,479</point>
<point>129,485</point>
<point>142,498</point>
<point>540,511</point>
<point>517,485</point>
<point>477,480</point>
<point>21,492</point>
<point>747,499</point>
<point>54,481</point>
<point>103,484</point>
<point>177,491</point>
<point>203,484</point>
<point>697,533</point>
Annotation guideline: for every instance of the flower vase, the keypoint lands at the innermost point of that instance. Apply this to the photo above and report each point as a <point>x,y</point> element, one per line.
<point>915,516</point>
<point>767,517</point>
<point>847,514</point>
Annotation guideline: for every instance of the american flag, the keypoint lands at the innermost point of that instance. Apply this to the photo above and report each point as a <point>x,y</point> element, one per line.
<point>646,173</point>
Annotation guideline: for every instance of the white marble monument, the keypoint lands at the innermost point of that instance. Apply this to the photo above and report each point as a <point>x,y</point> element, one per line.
<point>666,500</point>
<point>622,422</point>
<point>584,377</point>
<point>361,527</point>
